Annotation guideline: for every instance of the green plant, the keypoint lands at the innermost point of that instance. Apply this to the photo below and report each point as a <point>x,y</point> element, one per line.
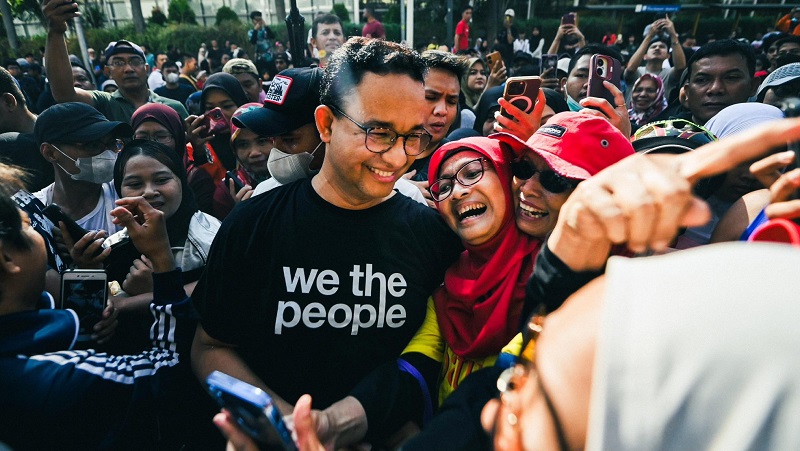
<point>226,14</point>
<point>180,11</point>
<point>157,17</point>
<point>93,17</point>
<point>392,14</point>
<point>341,11</point>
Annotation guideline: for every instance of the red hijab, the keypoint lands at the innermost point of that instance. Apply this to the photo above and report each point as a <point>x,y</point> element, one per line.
<point>479,304</point>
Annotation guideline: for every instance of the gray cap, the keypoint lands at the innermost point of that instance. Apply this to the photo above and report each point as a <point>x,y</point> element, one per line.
<point>779,76</point>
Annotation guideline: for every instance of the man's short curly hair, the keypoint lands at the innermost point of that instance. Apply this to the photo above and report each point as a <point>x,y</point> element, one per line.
<point>348,64</point>
<point>437,59</point>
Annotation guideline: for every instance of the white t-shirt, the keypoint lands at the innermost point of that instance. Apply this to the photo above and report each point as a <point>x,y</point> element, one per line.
<point>97,219</point>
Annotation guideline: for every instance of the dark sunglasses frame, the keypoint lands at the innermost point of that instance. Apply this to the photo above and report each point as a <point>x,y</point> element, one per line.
<point>550,180</point>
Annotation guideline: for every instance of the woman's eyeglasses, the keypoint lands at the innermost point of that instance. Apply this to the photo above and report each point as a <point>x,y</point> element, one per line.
<point>550,180</point>
<point>467,175</point>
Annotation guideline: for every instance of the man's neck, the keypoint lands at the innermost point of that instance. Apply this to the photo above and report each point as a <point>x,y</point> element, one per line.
<point>654,66</point>
<point>138,96</point>
<point>370,19</point>
<point>331,192</point>
<point>76,198</point>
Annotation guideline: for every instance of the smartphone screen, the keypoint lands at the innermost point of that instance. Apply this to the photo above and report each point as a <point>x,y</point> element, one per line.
<point>522,93</point>
<point>86,293</point>
<point>568,19</point>
<point>215,122</point>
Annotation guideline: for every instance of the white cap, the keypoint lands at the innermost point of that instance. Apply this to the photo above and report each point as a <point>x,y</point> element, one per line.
<point>510,12</point>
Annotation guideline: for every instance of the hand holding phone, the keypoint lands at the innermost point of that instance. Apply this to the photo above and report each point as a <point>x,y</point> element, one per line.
<point>252,408</point>
<point>603,68</point>
<point>568,19</point>
<point>493,58</point>
<point>85,291</point>
<point>214,122</point>
<point>237,184</point>
<point>55,214</point>
<point>522,93</point>
<point>549,61</point>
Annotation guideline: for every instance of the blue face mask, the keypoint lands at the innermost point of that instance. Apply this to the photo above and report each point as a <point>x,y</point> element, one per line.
<point>572,103</point>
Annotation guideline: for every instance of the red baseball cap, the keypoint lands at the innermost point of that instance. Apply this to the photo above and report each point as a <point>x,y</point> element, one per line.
<point>575,145</point>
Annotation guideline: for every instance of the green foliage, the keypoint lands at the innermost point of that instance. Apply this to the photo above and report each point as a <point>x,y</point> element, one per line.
<point>26,9</point>
<point>157,17</point>
<point>93,17</point>
<point>226,14</point>
<point>392,15</point>
<point>341,11</point>
<point>180,11</point>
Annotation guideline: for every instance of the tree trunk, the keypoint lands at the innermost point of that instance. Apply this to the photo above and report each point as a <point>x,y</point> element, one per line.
<point>138,18</point>
<point>280,11</point>
<point>8,22</point>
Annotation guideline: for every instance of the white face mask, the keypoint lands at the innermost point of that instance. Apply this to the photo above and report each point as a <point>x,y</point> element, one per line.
<point>287,167</point>
<point>172,78</point>
<point>97,169</point>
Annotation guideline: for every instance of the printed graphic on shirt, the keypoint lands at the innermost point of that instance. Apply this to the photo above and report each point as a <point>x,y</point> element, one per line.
<point>364,283</point>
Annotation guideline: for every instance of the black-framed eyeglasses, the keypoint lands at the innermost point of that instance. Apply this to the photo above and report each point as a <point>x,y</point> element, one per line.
<point>550,180</point>
<point>381,139</point>
<point>163,138</point>
<point>133,62</point>
<point>468,174</point>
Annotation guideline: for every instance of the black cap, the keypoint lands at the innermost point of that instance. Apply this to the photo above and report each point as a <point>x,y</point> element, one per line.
<point>76,122</point>
<point>290,103</point>
<point>121,46</point>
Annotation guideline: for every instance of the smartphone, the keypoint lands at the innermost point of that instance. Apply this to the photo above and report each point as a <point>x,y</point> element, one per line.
<point>85,291</point>
<point>237,184</point>
<point>549,61</point>
<point>55,214</point>
<point>215,122</point>
<point>568,19</point>
<point>251,407</point>
<point>493,59</point>
<point>522,93</point>
<point>602,67</point>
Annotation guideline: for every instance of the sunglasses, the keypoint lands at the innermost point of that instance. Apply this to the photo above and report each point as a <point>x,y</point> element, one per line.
<point>550,180</point>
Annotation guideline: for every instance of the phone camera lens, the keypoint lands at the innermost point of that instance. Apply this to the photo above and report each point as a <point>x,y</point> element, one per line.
<point>600,71</point>
<point>600,62</point>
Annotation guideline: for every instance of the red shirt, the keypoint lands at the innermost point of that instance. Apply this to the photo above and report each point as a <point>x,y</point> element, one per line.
<point>462,29</point>
<point>373,29</point>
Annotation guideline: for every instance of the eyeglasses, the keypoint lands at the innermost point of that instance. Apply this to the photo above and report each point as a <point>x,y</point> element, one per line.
<point>467,175</point>
<point>513,379</point>
<point>381,139</point>
<point>550,180</point>
<point>133,62</point>
<point>163,138</point>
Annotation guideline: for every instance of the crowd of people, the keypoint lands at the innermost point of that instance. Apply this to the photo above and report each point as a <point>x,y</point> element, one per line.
<point>385,236</point>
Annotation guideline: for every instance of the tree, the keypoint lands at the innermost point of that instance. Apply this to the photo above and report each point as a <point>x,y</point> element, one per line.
<point>181,12</point>
<point>138,17</point>
<point>225,14</point>
<point>280,9</point>
<point>8,22</point>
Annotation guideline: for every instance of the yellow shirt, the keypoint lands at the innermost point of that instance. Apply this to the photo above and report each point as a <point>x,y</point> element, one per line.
<point>429,342</point>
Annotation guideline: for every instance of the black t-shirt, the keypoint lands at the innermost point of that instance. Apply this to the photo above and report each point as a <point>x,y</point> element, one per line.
<point>314,296</point>
<point>181,93</point>
<point>20,149</point>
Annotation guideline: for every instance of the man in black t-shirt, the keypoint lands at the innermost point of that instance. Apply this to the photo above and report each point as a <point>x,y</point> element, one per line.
<point>314,284</point>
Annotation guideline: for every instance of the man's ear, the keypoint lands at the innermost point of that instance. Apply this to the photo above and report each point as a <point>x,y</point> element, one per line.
<point>48,152</point>
<point>7,264</point>
<point>754,84</point>
<point>107,71</point>
<point>323,116</point>
<point>8,102</point>
<point>563,83</point>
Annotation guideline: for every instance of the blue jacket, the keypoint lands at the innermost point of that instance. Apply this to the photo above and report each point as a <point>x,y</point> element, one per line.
<point>54,398</point>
